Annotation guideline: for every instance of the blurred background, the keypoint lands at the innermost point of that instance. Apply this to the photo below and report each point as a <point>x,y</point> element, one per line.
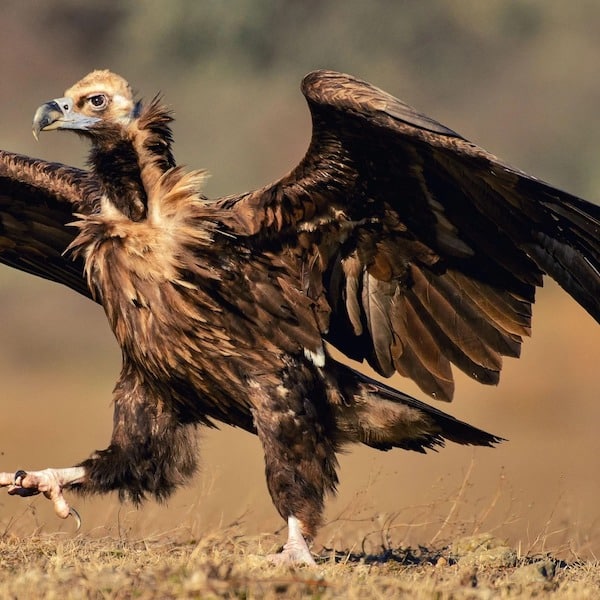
<point>518,77</point>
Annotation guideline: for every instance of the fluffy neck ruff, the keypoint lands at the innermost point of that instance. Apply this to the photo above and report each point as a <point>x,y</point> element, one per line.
<point>130,159</point>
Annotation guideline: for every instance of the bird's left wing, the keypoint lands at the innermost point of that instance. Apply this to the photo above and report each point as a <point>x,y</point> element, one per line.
<point>37,202</point>
<point>418,248</point>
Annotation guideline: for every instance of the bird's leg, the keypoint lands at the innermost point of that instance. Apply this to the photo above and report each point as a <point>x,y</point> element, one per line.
<point>50,482</point>
<point>150,452</point>
<point>294,426</point>
<point>295,551</point>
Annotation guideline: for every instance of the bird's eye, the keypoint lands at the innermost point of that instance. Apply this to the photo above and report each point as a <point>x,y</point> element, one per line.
<point>97,101</point>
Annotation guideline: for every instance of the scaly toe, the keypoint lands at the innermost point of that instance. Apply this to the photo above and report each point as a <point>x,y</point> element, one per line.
<point>293,555</point>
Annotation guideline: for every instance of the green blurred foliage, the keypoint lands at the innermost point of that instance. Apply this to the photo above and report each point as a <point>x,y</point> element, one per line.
<point>517,76</point>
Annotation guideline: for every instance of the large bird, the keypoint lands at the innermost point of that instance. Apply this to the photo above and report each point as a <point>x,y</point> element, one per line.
<point>394,240</point>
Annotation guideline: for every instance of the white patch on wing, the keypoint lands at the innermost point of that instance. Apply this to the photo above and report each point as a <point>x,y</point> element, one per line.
<point>317,358</point>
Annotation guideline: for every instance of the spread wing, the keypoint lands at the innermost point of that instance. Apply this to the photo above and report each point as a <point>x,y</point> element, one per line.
<point>420,249</point>
<point>37,201</point>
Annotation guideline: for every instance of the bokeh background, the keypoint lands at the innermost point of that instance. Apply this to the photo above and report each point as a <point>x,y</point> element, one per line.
<point>519,77</point>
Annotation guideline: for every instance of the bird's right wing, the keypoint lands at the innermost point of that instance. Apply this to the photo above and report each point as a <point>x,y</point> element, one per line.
<point>37,202</point>
<point>419,249</point>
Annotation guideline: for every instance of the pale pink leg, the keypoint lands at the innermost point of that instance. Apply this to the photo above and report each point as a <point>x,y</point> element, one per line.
<point>295,551</point>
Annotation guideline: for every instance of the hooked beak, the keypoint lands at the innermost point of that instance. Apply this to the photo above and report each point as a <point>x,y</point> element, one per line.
<point>59,114</point>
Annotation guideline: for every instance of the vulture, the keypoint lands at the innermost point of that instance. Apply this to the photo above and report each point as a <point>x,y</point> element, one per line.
<point>394,240</point>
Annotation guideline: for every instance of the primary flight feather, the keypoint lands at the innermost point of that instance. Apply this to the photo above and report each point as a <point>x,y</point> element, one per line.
<point>394,240</point>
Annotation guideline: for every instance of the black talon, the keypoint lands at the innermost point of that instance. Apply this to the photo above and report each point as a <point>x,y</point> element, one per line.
<point>18,489</point>
<point>20,474</point>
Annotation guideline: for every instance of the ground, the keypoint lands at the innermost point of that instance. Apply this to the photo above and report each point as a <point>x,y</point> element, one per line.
<point>230,565</point>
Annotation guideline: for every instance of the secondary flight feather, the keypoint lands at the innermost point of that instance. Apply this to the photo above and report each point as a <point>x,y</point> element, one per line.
<point>394,240</point>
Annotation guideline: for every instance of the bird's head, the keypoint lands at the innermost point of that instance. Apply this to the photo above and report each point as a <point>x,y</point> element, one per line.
<point>99,100</point>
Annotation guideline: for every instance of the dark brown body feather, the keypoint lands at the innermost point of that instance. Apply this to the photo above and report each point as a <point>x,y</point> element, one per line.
<point>395,240</point>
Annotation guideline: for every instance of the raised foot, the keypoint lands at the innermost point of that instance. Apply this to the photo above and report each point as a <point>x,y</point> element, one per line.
<point>295,551</point>
<point>49,482</point>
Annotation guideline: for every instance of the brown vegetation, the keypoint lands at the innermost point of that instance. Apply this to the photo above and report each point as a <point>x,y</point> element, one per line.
<point>229,565</point>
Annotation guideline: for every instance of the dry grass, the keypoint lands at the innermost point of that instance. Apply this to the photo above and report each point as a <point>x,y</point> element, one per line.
<point>458,560</point>
<point>451,545</point>
<point>230,565</point>
<point>461,558</point>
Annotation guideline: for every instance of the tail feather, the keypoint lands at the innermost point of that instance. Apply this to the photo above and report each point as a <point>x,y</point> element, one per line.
<point>384,418</point>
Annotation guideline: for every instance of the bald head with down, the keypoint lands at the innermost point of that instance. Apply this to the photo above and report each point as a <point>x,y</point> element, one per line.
<point>100,99</point>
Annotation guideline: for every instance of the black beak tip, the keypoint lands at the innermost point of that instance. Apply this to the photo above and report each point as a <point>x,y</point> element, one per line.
<point>44,116</point>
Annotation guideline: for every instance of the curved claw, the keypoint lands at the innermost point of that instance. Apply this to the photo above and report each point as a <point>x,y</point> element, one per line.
<point>76,516</point>
<point>19,475</point>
